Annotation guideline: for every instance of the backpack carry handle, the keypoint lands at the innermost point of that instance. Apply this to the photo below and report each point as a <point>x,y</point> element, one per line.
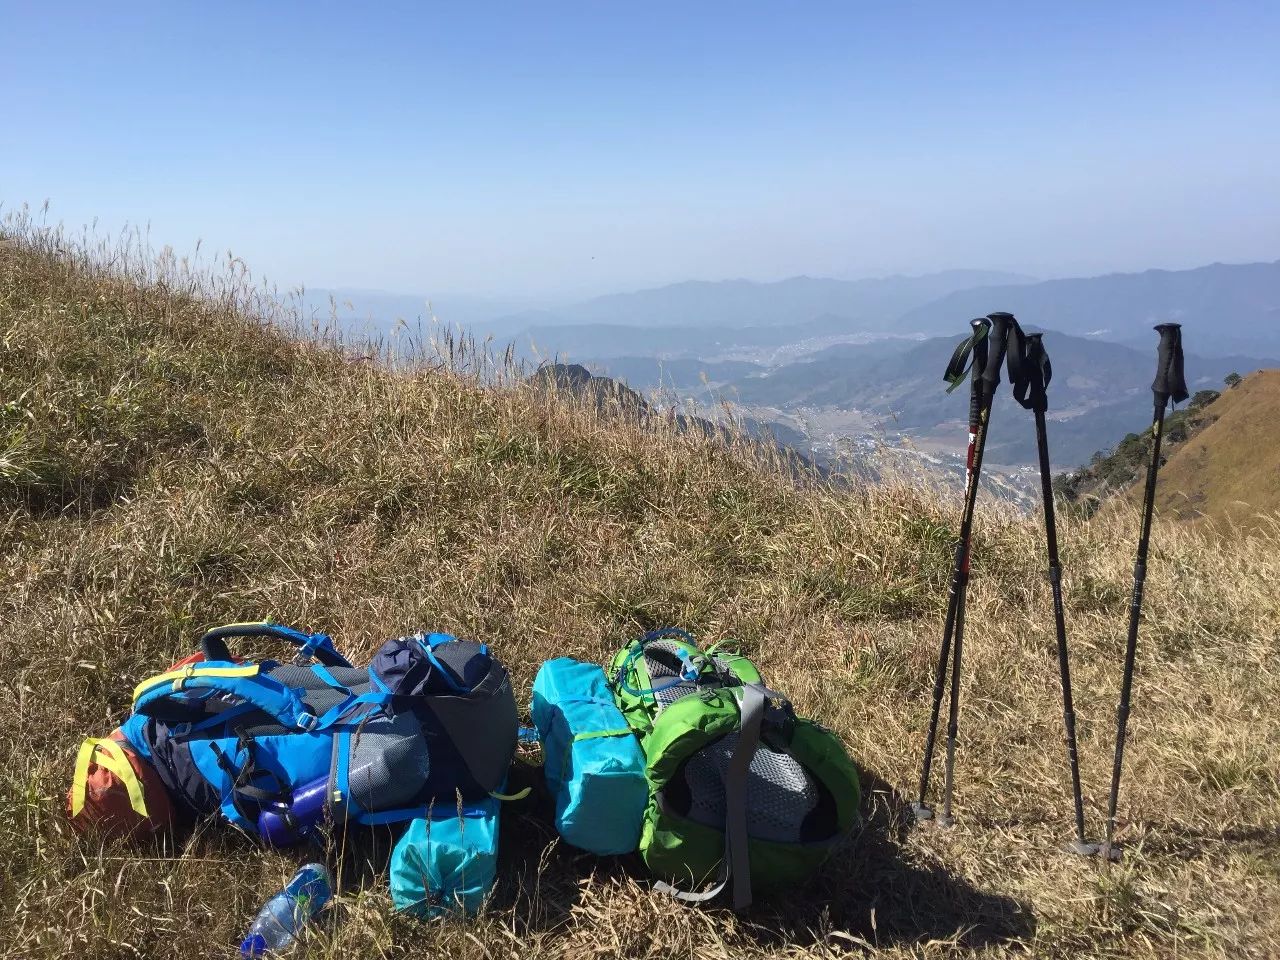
<point>318,645</point>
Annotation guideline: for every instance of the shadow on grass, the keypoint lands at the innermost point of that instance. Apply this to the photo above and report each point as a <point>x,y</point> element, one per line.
<point>866,892</point>
<point>869,891</point>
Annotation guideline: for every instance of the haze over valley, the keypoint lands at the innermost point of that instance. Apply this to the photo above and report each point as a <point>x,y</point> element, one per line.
<point>853,368</point>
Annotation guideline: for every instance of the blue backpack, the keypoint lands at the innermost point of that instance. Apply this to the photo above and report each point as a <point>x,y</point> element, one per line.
<point>278,748</point>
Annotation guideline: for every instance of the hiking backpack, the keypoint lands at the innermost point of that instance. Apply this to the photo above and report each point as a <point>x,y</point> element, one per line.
<point>740,789</point>
<point>275,748</point>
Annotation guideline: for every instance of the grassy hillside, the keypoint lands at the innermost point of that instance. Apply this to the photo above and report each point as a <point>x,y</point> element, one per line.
<point>1220,456</point>
<point>169,462</point>
<point>1228,472</point>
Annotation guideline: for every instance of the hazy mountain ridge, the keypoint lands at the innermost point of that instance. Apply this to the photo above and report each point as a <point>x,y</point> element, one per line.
<point>1229,308</point>
<point>747,303</point>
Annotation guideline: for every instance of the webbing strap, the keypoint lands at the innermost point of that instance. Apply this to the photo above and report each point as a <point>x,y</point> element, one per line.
<point>736,868</point>
<point>178,677</point>
<point>109,755</point>
<point>1029,368</point>
<point>970,352</point>
<point>735,794</point>
<point>593,734</point>
<point>336,713</point>
<point>321,671</point>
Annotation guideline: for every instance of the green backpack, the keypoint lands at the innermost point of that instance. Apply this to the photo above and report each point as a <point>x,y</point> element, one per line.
<point>740,789</point>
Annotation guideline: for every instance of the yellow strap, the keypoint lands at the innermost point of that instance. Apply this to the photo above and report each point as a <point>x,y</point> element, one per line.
<point>191,670</point>
<point>114,760</point>
<point>511,796</point>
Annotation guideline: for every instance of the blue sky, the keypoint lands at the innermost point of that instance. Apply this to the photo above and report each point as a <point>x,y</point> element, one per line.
<point>564,149</point>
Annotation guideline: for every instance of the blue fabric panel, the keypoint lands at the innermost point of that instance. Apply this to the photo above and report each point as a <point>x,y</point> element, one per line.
<point>133,730</point>
<point>446,863</point>
<point>206,761</point>
<point>598,781</point>
<point>297,758</point>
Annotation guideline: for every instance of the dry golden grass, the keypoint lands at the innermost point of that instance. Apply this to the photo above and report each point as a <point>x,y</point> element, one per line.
<point>168,462</point>
<point>1227,475</point>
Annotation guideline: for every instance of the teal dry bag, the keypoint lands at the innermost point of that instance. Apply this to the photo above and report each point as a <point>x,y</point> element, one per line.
<point>593,763</point>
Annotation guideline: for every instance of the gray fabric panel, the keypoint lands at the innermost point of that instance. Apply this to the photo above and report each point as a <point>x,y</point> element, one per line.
<point>388,764</point>
<point>483,729</point>
<point>457,655</point>
<point>780,791</point>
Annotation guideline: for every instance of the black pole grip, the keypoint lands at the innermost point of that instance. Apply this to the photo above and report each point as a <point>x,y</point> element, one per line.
<point>1169,381</point>
<point>979,365</point>
<point>1035,373</point>
<point>999,337</point>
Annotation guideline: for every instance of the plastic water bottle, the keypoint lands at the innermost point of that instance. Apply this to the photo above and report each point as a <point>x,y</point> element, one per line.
<point>282,917</point>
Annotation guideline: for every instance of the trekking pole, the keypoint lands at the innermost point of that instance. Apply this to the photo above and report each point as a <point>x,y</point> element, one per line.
<point>1030,390</point>
<point>975,347</point>
<point>1169,383</point>
<point>999,337</point>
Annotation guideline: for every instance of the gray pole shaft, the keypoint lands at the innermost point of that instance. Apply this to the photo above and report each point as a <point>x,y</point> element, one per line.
<point>1135,613</point>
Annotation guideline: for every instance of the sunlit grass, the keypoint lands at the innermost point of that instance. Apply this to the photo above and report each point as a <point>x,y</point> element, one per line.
<point>170,459</point>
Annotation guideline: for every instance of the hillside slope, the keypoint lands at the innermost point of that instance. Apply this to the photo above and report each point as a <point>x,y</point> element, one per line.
<point>1228,472</point>
<point>169,461</point>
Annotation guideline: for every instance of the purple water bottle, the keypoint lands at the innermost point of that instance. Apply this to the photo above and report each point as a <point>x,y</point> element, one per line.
<point>282,825</point>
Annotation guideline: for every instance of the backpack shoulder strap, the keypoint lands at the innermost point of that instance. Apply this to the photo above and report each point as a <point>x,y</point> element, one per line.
<point>245,682</point>
<point>106,753</point>
<point>736,866</point>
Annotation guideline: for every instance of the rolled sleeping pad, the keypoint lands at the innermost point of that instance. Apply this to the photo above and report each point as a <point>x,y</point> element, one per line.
<point>593,763</point>
<point>446,862</point>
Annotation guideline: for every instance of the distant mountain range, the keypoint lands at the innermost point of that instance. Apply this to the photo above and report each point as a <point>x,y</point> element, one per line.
<point>863,304</point>
<point>1226,308</point>
<point>751,337</point>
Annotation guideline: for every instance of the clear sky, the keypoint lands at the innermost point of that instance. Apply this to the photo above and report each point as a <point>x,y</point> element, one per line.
<point>557,149</point>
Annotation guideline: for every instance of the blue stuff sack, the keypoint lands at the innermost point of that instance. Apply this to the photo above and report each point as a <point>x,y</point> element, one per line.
<point>592,762</point>
<point>446,862</point>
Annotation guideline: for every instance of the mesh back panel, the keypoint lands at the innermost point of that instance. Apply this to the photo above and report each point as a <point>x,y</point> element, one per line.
<point>780,791</point>
<point>661,670</point>
<point>389,763</point>
<point>319,696</point>
<point>316,694</point>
